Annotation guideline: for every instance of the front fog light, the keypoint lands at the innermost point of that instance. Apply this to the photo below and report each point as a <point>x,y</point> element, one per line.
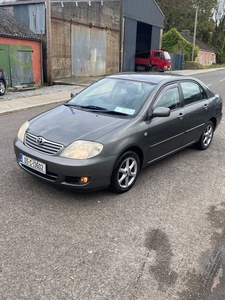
<point>84,179</point>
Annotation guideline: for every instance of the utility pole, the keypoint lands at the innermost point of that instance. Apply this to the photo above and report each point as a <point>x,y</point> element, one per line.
<point>49,42</point>
<point>193,47</point>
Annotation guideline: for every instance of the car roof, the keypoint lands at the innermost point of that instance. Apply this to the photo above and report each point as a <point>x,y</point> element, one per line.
<point>153,78</point>
<point>158,78</point>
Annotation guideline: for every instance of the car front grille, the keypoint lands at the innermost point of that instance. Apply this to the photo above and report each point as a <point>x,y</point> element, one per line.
<point>42,145</point>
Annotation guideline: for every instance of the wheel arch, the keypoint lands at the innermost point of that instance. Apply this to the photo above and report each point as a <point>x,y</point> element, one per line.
<point>213,120</point>
<point>135,149</point>
<point>206,137</point>
<point>152,66</point>
<point>3,80</point>
<point>121,184</point>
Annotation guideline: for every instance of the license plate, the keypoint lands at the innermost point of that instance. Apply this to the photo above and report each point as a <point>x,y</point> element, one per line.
<point>33,163</point>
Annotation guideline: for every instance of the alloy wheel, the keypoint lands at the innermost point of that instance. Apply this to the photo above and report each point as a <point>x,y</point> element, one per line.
<point>127,172</point>
<point>207,135</point>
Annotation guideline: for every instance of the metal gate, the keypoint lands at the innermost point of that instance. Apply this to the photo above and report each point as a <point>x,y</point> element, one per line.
<point>177,61</point>
<point>88,51</point>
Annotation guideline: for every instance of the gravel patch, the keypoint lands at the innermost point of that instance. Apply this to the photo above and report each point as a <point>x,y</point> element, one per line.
<point>10,95</point>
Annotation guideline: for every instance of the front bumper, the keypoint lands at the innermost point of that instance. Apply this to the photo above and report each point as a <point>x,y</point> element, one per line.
<point>66,172</point>
<point>167,68</point>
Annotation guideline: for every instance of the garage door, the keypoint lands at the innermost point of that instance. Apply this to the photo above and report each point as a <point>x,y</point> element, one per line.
<point>88,51</point>
<point>17,64</point>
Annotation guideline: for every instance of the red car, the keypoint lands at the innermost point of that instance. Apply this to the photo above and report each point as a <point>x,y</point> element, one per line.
<point>2,82</point>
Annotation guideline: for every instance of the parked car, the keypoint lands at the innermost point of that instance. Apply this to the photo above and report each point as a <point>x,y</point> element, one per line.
<point>105,134</point>
<point>2,82</point>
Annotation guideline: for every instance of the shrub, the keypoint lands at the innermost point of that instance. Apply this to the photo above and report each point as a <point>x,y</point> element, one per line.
<point>173,42</point>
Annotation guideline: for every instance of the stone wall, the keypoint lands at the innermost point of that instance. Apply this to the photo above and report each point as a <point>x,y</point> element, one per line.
<point>102,17</point>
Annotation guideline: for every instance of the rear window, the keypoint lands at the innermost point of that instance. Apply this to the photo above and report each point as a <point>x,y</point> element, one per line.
<point>192,92</point>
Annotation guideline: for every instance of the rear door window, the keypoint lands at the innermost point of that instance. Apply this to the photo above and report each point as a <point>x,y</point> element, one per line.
<point>192,92</point>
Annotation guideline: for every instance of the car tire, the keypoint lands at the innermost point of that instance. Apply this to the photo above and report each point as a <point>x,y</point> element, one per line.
<point>155,69</point>
<point>2,87</point>
<point>206,137</point>
<point>125,172</point>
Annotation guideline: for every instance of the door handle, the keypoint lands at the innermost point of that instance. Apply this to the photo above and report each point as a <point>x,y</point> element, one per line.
<point>181,116</point>
<point>206,106</point>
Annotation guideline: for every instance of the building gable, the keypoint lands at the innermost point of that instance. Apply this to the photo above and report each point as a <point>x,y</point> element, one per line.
<point>11,28</point>
<point>146,11</point>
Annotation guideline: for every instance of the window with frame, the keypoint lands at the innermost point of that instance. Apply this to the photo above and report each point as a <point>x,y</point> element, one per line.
<point>158,55</point>
<point>169,98</point>
<point>192,92</point>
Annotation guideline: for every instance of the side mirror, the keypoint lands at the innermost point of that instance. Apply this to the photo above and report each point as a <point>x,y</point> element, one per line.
<point>73,94</point>
<point>160,112</point>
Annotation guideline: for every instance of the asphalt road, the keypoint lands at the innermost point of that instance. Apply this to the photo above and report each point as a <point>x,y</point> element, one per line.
<point>163,240</point>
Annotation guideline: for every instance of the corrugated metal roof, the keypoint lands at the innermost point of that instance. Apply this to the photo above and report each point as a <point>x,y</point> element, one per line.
<point>10,27</point>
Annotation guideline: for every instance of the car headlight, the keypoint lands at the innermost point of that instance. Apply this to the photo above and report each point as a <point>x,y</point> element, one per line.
<point>22,131</point>
<point>82,150</point>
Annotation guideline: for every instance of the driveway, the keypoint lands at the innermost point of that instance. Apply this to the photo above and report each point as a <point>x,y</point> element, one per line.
<point>164,239</point>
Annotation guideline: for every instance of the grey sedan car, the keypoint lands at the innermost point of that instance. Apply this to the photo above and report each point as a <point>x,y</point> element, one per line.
<point>105,134</point>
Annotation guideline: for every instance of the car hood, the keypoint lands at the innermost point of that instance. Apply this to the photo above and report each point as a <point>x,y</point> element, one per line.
<point>65,124</point>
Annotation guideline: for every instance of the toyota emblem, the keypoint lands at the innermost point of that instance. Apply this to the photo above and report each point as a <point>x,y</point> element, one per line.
<point>40,140</point>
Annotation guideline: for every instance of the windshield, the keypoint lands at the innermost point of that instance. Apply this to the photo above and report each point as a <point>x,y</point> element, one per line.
<point>167,55</point>
<point>113,95</point>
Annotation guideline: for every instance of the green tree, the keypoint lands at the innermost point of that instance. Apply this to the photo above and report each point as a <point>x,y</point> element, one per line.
<point>180,14</point>
<point>218,39</point>
<point>173,42</point>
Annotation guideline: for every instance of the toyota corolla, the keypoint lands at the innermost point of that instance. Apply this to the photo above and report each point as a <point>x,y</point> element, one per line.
<point>103,136</point>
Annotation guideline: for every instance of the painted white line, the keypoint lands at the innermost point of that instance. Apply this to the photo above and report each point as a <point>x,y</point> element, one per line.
<point>222,79</point>
<point>209,84</point>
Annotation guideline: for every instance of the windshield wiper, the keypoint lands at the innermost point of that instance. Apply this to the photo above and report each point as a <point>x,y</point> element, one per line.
<point>93,107</point>
<point>113,112</point>
<point>70,104</point>
<point>97,108</point>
